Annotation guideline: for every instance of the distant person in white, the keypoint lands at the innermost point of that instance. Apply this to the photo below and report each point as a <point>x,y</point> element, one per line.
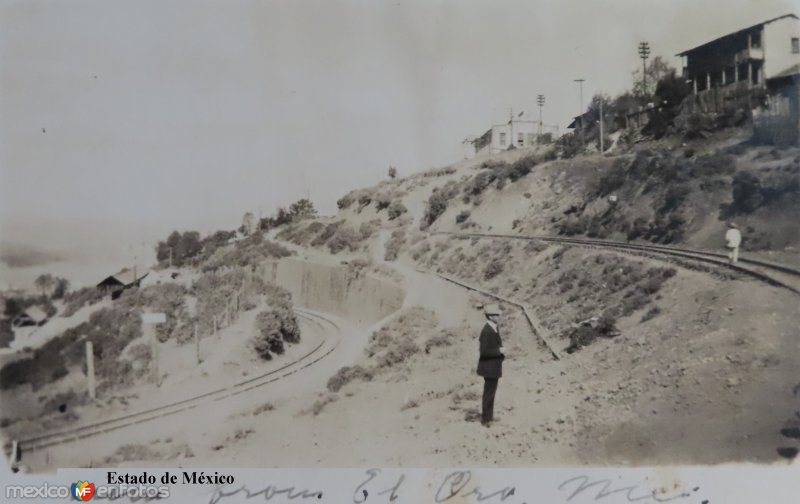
<point>733,239</point>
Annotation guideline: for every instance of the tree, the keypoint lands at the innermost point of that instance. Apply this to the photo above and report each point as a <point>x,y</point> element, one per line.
<point>6,333</point>
<point>190,245</point>
<point>302,209</point>
<point>656,70</point>
<point>392,172</point>
<point>13,308</point>
<point>61,288</point>
<point>45,282</point>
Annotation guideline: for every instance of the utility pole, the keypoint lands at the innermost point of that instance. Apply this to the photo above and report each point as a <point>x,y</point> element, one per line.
<point>197,344</point>
<point>540,101</point>
<point>580,112</point>
<point>90,371</point>
<point>602,144</point>
<point>644,52</point>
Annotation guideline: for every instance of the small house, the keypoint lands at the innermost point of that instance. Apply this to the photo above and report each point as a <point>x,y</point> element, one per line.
<point>115,284</point>
<point>32,316</point>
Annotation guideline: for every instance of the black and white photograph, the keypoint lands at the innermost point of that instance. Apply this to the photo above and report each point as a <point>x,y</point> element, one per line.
<point>399,234</point>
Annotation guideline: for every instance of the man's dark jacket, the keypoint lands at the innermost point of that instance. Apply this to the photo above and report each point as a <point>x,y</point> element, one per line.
<point>490,364</point>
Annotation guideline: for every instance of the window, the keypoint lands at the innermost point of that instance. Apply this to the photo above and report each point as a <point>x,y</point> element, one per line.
<point>755,40</point>
<point>795,45</point>
<point>502,139</point>
<point>520,139</point>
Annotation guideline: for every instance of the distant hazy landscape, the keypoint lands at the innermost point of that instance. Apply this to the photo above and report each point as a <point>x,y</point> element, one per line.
<point>83,253</point>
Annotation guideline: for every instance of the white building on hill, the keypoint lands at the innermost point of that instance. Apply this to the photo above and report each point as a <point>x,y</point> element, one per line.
<point>518,132</point>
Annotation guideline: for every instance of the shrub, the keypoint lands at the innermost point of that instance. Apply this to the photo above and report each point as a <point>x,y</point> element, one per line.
<point>346,375</point>
<point>437,204</point>
<point>421,250</point>
<point>613,180</point>
<point>393,244</point>
<point>462,216</point>
<point>398,351</point>
<point>268,406</point>
<point>326,234</point>
<point>345,202</point>
<point>494,268</point>
<point>674,197</point>
<point>364,200</point>
<point>382,202</point>
<point>344,238</point>
<point>396,209</point>
<point>268,339</point>
<point>521,168</point>
<point>587,333</point>
<point>651,313</point>
<point>479,183</point>
<point>747,195</point>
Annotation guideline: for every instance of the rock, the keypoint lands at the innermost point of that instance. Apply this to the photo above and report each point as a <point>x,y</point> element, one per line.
<point>733,382</point>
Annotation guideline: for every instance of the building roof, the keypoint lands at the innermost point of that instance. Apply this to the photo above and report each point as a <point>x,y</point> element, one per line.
<point>124,277</point>
<point>737,33</point>
<point>789,72</point>
<point>36,314</point>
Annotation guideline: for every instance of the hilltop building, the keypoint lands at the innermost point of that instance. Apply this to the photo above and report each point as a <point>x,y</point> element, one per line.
<point>755,67</point>
<point>746,58</point>
<point>518,132</point>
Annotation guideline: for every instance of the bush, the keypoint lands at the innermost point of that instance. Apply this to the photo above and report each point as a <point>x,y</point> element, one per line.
<point>747,193</point>
<point>462,216</point>
<point>494,268</point>
<point>437,204</point>
<point>479,183</point>
<point>327,234</point>
<point>393,244</point>
<point>674,197</point>
<point>521,168</point>
<point>613,180</point>
<point>396,209</point>
<point>344,238</point>
<point>382,202</point>
<point>587,333</point>
<point>345,202</point>
<point>346,375</point>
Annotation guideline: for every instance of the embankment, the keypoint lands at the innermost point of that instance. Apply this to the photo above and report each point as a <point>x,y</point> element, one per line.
<point>335,289</point>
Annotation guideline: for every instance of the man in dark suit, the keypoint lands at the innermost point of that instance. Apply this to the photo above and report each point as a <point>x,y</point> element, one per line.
<point>490,363</point>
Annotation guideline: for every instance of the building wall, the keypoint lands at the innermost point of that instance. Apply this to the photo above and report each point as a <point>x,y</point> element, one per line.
<point>503,135</point>
<point>778,55</point>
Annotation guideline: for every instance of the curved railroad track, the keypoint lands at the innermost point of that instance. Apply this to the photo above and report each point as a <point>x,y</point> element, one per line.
<point>765,271</point>
<point>319,352</point>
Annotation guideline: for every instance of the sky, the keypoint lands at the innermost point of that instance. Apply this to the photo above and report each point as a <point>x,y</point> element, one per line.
<point>136,117</point>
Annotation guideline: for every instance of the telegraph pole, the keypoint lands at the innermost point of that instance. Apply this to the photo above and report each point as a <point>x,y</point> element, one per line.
<point>580,112</point>
<point>644,52</point>
<point>90,371</point>
<point>540,101</point>
<point>602,145</point>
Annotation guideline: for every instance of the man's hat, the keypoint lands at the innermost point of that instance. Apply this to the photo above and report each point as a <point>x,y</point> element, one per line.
<point>491,309</point>
<point>732,225</point>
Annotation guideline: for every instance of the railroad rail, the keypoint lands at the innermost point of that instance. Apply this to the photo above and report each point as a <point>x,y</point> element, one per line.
<point>315,355</point>
<point>756,268</point>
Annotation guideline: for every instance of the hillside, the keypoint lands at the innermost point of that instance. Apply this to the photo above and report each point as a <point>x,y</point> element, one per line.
<point>661,361</point>
<point>684,344</point>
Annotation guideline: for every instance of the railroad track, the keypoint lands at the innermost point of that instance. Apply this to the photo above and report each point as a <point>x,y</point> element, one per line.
<point>318,353</point>
<point>759,269</point>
